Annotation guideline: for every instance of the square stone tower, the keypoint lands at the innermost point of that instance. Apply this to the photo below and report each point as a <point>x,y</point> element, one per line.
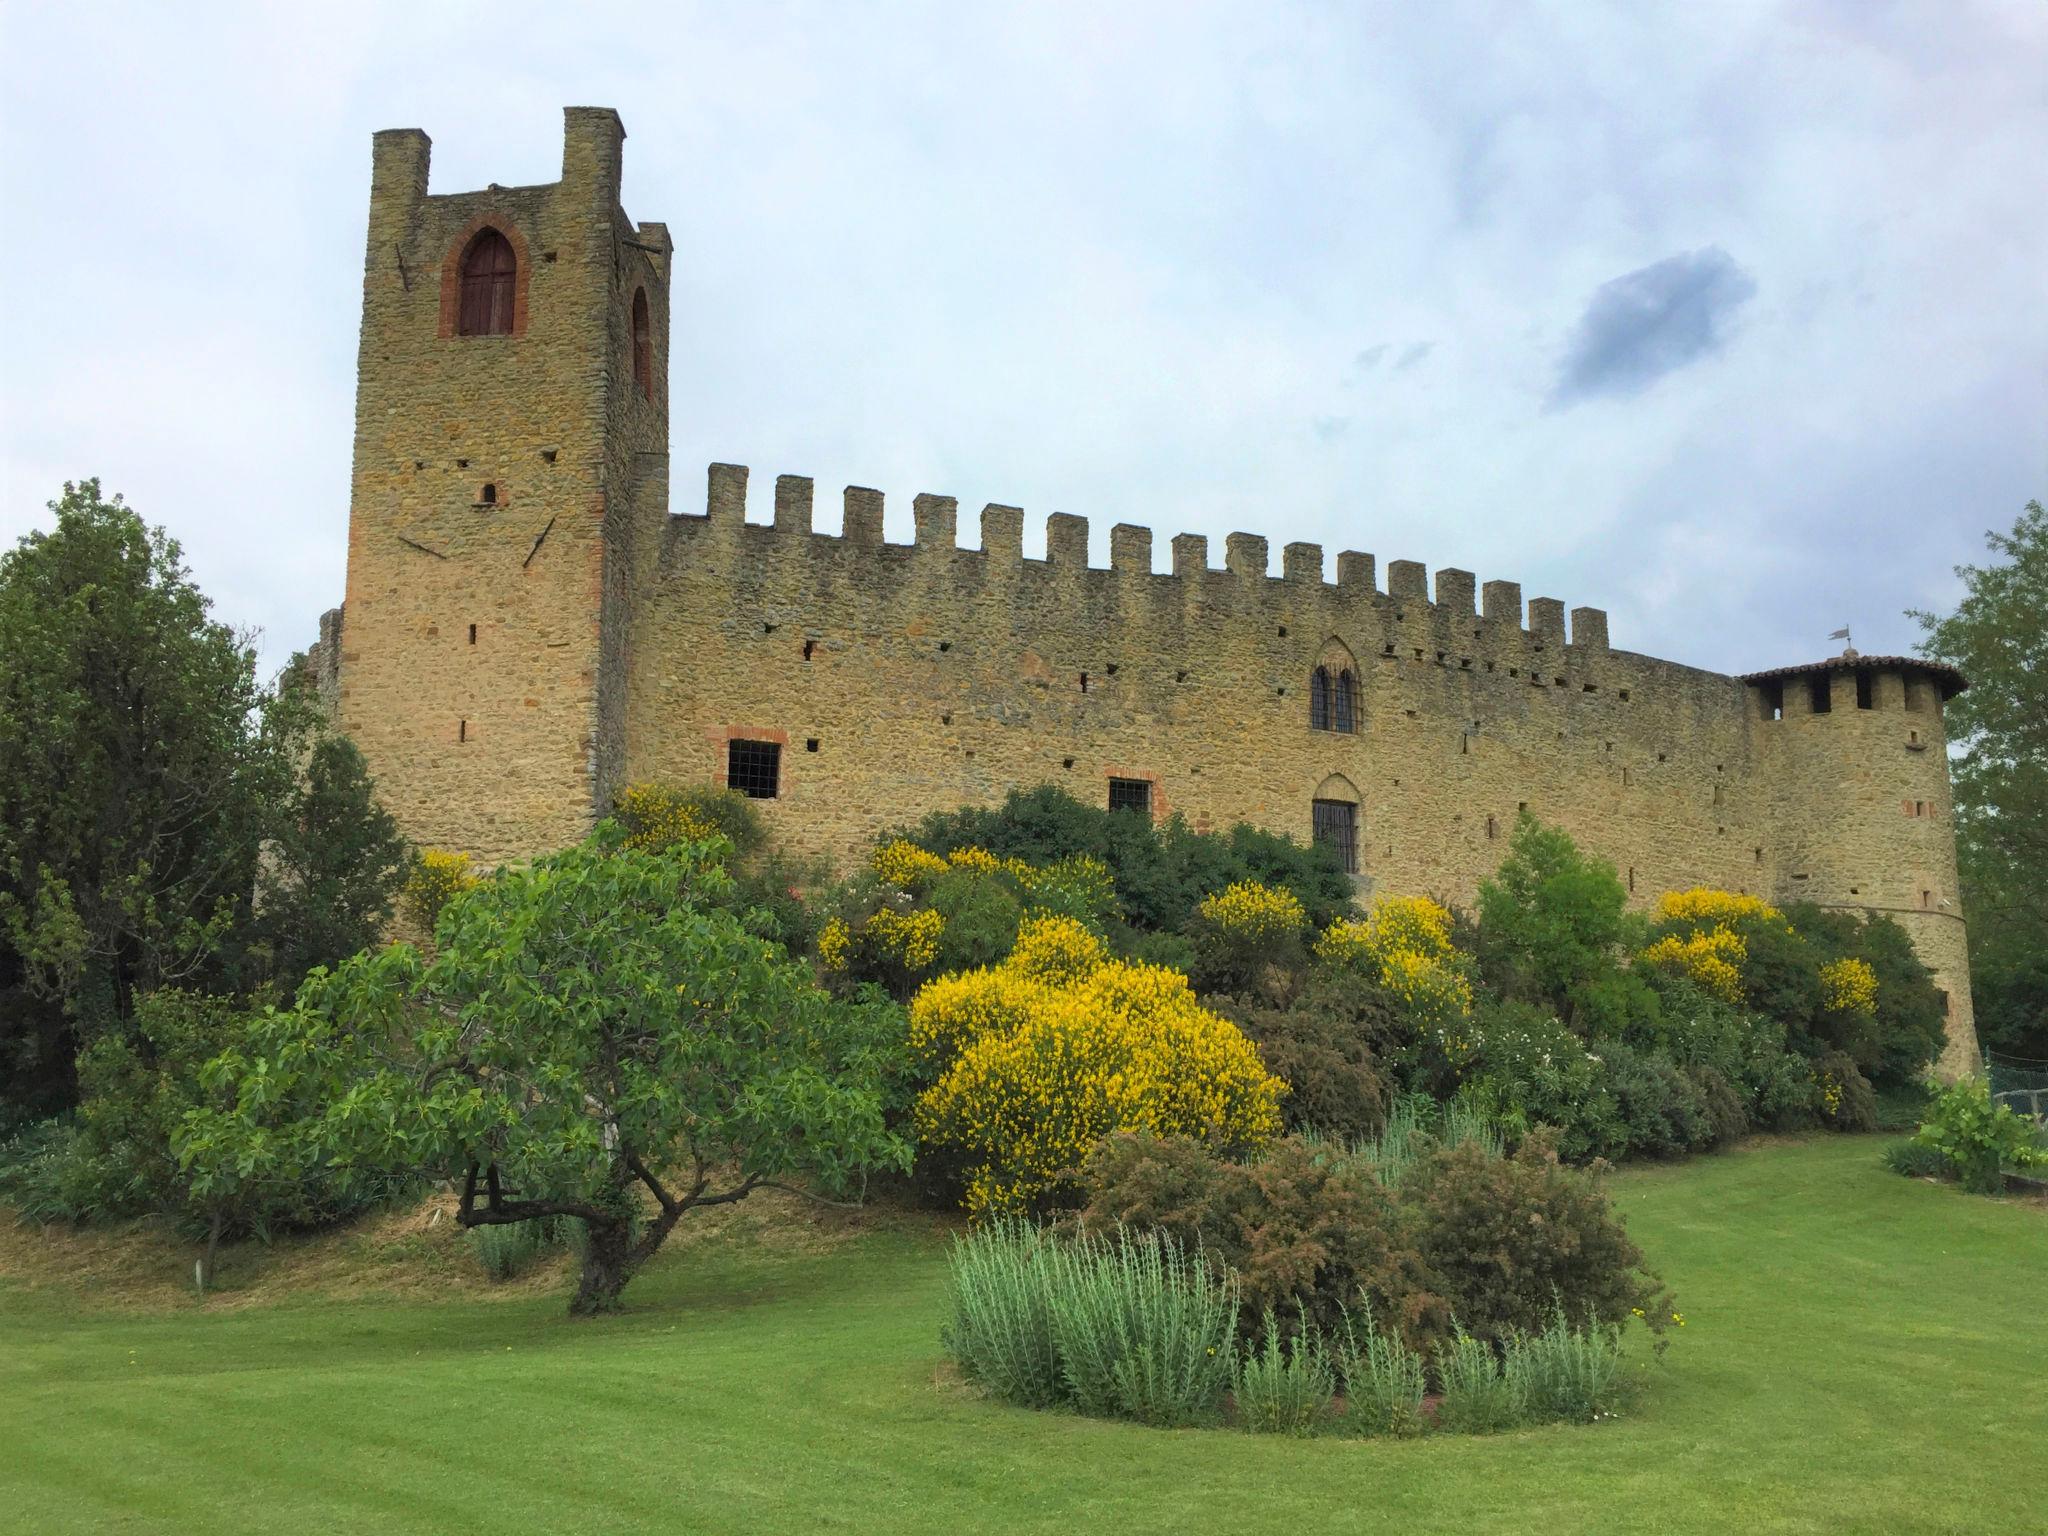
<point>510,444</point>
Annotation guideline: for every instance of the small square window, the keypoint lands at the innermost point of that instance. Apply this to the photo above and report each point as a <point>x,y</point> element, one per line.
<point>1131,795</point>
<point>1335,824</point>
<point>754,768</point>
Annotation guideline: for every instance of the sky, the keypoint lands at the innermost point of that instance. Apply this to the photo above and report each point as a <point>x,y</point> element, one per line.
<point>1729,318</point>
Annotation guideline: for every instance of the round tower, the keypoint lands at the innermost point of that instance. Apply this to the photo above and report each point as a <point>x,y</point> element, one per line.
<point>1855,764</point>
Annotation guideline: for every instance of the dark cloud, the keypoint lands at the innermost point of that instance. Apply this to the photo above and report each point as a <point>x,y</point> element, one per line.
<point>1650,322</point>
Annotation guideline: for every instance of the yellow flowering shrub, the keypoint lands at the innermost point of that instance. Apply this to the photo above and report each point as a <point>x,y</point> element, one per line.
<point>1060,950</point>
<point>1406,942</point>
<point>659,816</point>
<point>1042,1056</point>
<point>1849,985</point>
<point>1711,958</point>
<point>906,866</point>
<point>909,939</point>
<point>438,876</point>
<point>835,944</point>
<point>1705,907</point>
<point>981,862</point>
<point>1074,884</point>
<point>1253,913</point>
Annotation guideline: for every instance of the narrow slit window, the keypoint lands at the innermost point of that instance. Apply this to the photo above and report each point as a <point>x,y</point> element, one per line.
<point>643,345</point>
<point>472,634</point>
<point>1131,795</point>
<point>754,768</point>
<point>1335,824</point>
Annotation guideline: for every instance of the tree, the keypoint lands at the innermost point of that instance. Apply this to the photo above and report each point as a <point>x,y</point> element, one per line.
<point>598,1036</point>
<point>1998,732</point>
<point>1553,923</point>
<point>149,785</point>
<point>135,756</point>
<point>329,871</point>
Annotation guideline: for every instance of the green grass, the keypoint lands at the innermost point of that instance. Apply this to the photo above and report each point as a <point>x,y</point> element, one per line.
<point>1857,1358</point>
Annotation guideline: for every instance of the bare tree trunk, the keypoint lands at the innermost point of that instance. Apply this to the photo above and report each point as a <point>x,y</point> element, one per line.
<point>607,1265</point>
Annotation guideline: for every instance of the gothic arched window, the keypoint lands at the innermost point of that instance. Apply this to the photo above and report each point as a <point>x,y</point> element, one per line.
<point>488,272</point>
<point>1319,699</point>
<point>1344,702</point>
<point>643,344</point>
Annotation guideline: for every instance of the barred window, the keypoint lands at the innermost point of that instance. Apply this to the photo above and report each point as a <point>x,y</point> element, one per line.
<point>1319,699</point>
<point>1344,702</point>
<point>753,768</point>
<point>1336,826</point>
<point>1131,795</point>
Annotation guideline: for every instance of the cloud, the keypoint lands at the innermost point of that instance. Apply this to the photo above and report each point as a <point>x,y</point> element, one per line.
<point>1413,354</point>
<point>1369,359</point>
<point>1329,429</point>
<point>1650,322</point>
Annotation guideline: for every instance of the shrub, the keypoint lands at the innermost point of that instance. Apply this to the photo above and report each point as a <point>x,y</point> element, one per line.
<point>1727,1118</point>
<point>1847,1101</point>
<point>504,1250</point>
<point>1384,1380</point>
<point>1283,1386</point>
<point>1303,1233</point>
<point>1878,1000</point>
<point>1567,1373</point>
<point>436,878</point>
<point>1144,1329</point>
<point>1403,946</point>
<point>1914,1159</point>
<point>1244,932</point>
<point>1001,1332</point>
<point>1320,1045</point>
<point>1418,1123</point>
<point>1159,870</point>
<point>1538,1068</point>
<point>1979,1139</point>
<point>36,1168</point>
<point>1479,1397</point>
<point>1662,1111</point>
<point>1505,1240</point>
<point>1552,924</point>
<point>1036,1060</point>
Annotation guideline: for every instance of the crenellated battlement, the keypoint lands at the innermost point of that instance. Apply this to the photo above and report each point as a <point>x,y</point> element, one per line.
<point>1246,559</point>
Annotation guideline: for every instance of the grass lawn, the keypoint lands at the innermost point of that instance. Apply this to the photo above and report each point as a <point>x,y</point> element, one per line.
<point>1863,1353</point>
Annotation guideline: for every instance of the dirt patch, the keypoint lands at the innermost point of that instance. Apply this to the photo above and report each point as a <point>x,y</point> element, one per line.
<point>416,1251</point>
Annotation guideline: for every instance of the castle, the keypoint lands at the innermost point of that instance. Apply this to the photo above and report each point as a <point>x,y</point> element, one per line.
<point>527,627</point>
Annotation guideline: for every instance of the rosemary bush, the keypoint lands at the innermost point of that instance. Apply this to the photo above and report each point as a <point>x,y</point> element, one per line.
<point>1001,1331</point>
<point>1284,1389</point>
<point>1567,1373</point>
<point>1144,1329</point>
<point>504,1249</point>
<point>1479,1397</point>
<point>1384,1379</point>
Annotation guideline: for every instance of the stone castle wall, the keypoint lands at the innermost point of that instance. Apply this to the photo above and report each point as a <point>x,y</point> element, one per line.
<point>614,642</point>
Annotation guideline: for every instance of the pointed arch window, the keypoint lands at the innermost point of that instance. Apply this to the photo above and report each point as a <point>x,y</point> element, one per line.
<point>1344,702</point>
<point>1319,699</point>
<point>643,344</point>
<point>489,271</point>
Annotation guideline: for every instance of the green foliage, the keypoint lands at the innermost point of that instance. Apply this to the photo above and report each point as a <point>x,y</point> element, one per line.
<point>1003,1279</point>
<point>1321,1043</point>
<point>1479,1396</point>
<point>1118,1326</point>
<point>1284,1386</point>
<point>1160,871</point>
<point>1302,1233</point>
<point>1384,1380</point>
<point>1505,1240</point>
<point>141,1088</point>
<point>1566,1373</point>
<point>1914,1159</point>
<point>164,820</point>
<point>330,872</point>
<point>1895,1044</point>
<point>35,1172</point>
<point>142,770</point>
<point>597,1023</point>
<point>982,913</point>
<point>1979,1139</point>
<point>1553,923</point>
<point>1998,636</point>
<point>504,1251</point>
